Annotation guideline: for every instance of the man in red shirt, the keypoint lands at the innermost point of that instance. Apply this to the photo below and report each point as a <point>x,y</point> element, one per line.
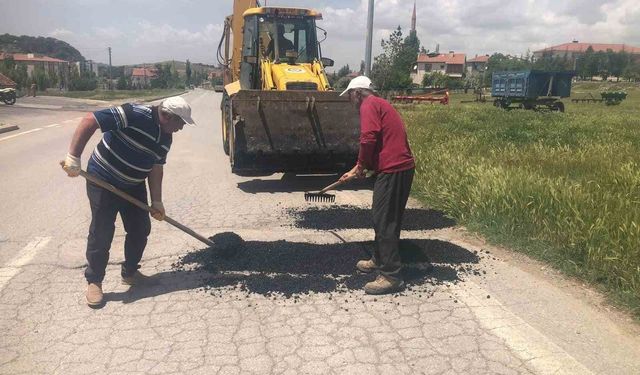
<point>384,149</point>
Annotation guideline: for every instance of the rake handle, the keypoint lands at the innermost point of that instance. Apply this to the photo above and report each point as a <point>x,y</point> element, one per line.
<point>331,187</point>
<point>138,203</point>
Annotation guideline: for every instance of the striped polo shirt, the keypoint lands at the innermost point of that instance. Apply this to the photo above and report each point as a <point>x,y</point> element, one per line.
<point>131,144</point>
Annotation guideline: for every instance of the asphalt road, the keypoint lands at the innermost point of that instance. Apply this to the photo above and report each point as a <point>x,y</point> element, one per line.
<point>280,295</point>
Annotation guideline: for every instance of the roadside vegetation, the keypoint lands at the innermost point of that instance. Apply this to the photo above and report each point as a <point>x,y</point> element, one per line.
<point>561,187</point>
<point>117,94</point>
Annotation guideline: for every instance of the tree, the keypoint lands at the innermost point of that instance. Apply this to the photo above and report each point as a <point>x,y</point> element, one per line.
<point>632,72</point>
<point>122,83</point>
<point>435,79</point>
<point>342,72</point>
<point>188,72</point>
<point>392,69</point>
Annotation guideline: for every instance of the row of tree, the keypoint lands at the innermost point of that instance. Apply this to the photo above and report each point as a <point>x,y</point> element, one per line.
<point>392,69</point>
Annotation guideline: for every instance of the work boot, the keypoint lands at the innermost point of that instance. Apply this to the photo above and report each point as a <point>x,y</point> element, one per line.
<point>137,278</point>
<point>366,266</point>
<point>94,294</point>
<point>384,284</point>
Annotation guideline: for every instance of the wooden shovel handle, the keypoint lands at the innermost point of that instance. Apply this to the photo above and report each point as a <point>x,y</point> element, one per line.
<point>132,200</point>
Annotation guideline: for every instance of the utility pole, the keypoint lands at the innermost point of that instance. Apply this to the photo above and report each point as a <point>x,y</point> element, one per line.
<point>367,53</point>
<point>109,68</point>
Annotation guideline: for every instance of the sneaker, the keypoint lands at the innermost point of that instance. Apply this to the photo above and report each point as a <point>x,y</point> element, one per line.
<point>384,284</point>
<point>366,266</point>
<point>94,294</point>
<point>137,278</point>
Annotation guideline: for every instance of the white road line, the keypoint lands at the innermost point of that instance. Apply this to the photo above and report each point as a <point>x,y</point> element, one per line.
<point>525,341</point>
<point>24,257</point>
<point>71,120</point>
<point>19,134</point>
<point>52,126</point>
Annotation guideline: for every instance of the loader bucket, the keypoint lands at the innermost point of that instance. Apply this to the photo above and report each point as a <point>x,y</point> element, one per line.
<point>293,131</point>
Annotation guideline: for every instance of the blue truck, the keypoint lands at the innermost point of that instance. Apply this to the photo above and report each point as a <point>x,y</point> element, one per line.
<point>531,89</point>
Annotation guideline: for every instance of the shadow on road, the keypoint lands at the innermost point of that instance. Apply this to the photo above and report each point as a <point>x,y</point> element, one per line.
<point>352,217</point>
<point>290,183</point>
<point>283,268</point>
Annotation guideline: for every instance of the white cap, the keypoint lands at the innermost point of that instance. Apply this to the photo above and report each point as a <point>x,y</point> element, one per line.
<point>178,106</point>
<point>360,82</point>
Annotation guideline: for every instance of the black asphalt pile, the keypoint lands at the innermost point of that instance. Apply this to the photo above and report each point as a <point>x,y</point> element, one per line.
<point>291,269</point>
<point>353,217</point>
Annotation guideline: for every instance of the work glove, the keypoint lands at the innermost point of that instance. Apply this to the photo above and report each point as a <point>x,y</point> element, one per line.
<point>72,165</point>
<point>157,210</point>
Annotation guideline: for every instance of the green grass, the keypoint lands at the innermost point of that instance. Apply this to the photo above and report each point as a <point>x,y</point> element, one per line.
<point>116,94</point>
<point>562,187</point>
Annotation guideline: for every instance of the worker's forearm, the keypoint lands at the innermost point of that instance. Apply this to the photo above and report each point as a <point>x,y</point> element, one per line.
<point>365,156</point>
<point>83,133</point>
<point>155,183</point>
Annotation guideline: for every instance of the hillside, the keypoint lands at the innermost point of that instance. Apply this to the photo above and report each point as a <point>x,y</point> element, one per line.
<point>46,46</point>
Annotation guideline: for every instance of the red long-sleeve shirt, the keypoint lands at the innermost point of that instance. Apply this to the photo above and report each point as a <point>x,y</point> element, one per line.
<point>383,138</point>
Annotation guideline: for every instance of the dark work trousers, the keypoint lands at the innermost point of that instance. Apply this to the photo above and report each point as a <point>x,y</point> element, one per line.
<point>390,194</point>
<point>104,207</point>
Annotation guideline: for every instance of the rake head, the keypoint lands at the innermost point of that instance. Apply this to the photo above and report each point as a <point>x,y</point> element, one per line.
<point>319,197</point>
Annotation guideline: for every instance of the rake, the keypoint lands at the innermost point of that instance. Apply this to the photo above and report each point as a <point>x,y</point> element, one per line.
<point>322,195</point>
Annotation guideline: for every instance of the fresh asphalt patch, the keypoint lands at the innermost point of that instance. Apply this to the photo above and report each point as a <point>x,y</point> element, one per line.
<point>284,269</point>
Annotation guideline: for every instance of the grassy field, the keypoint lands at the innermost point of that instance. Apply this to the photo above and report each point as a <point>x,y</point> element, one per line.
<point>562,187</point>
<point>116,94</point>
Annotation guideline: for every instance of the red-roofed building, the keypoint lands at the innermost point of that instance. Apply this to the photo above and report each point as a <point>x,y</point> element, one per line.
<point>477,64</point>
<point>451,64</point>
<point>575,49</point>
<point>141,77</point>
<point>52,67</point>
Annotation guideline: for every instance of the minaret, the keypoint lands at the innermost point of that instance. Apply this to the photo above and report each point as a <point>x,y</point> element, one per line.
<point>413,18</point>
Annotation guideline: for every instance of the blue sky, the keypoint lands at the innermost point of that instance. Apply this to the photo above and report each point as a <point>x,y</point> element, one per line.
<point>148,31</point>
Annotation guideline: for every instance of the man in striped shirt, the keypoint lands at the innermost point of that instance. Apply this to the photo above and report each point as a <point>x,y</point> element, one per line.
<point>133,148</point>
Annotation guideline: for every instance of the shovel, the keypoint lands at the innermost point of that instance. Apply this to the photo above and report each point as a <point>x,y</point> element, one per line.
<point>130,199</point>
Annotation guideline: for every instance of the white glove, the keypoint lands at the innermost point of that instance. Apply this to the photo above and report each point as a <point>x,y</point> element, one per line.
<point>72,165</point>
<point>157,210</point>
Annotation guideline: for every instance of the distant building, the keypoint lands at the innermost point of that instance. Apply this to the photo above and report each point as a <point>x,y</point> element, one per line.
<point>452,64</point>
<point>575,49</point>
<point>141,77</point>
<point>52,67</point>
<point>477,64</point>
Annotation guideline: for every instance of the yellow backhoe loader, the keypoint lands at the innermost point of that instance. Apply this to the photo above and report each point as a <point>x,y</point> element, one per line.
<point>279,113</point>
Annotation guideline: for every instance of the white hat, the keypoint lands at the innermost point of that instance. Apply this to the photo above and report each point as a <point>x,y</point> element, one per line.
<point>179,107</point>
<point>360,82</point>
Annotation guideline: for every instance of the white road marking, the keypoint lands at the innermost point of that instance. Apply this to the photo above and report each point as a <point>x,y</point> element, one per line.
<point>525,341</point>
<point>19,134</point>
<point>24,257</point>
<point>52,126</point>
<point>71,120</point>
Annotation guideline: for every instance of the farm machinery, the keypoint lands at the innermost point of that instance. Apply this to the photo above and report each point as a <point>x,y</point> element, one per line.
<point>608,97</point>
<point>531,89</point>
<point>279,112</point>
<point>441,97</point>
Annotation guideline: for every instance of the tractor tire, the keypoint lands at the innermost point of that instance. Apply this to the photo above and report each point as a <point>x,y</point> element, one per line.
<point>558,107</point>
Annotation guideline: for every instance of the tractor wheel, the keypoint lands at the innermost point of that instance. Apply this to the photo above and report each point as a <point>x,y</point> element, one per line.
<point>557,107</point>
